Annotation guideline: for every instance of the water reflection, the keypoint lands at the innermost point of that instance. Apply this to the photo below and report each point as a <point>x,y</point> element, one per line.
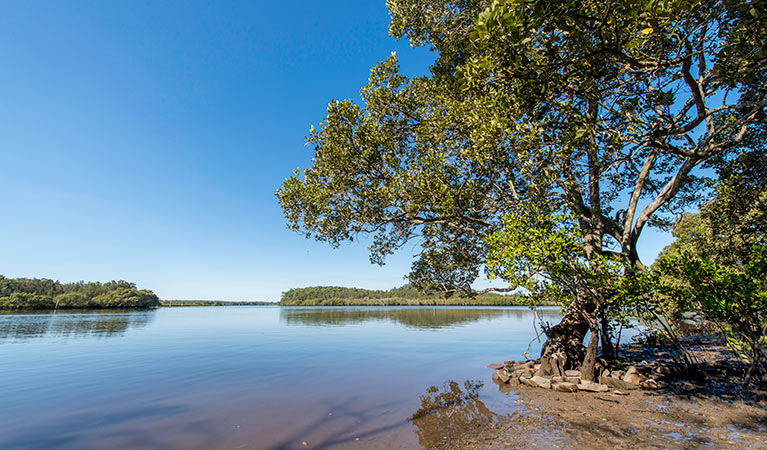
<point>24,326</point>
<point>448,412</point>
<point>415,317</point>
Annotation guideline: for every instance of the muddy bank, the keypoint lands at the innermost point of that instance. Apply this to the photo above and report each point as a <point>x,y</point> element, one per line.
<point>712,412</point>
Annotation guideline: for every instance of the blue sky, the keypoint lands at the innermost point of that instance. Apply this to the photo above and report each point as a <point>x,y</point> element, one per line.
<point>144,140</point>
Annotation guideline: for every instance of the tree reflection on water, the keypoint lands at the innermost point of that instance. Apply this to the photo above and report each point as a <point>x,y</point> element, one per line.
<point>447,412</point>
<point>22,326</point>
<point>424,318</point>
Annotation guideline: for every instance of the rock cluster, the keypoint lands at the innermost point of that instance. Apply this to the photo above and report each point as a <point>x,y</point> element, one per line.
<point>639,376</point>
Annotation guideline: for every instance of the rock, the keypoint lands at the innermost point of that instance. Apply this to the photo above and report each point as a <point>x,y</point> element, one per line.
<point>669,371</point>
<point>558,379</point>
<point>573,373</point>
<point>632,376</point>
<point>523,366</point>
<point>542,382</point>
<point>620,393</point>
<point>617,384</point>
<point>527,381</point>
<point>650,385</point>
<point>574,380</point>
<point>495,366</point>
<point>503,375</point>
<point>509,363</point>
<point>536,367</point>
<point>592,387</point>
<point>618,374</point>
<point>564,387</point>
<point>528,373</point>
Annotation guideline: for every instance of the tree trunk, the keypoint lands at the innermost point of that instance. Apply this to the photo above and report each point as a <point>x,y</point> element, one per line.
<point>608,351</point>
<point>563,349</point>
<point>590,360</point>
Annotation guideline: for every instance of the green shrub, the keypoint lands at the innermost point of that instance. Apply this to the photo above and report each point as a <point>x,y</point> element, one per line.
<point>732,297</point>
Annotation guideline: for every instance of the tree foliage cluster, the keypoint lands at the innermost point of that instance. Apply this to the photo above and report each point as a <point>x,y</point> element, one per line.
<point>42,294</point>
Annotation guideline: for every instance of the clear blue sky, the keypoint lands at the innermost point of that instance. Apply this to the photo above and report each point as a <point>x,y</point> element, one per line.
<point>144,140</point>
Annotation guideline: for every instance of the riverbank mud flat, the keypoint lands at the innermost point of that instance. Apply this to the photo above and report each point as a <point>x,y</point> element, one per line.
<point>713,413</point>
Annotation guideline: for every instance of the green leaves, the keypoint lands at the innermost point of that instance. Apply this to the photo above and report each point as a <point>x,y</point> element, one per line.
<point>733,298</point>
<point>539,130</point>
<point>539,252</point>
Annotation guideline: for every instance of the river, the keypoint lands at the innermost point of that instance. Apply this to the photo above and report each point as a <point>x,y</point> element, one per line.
<point>257,377</point>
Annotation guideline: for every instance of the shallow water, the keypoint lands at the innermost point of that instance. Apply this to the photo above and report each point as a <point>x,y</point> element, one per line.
<point>255,377</point>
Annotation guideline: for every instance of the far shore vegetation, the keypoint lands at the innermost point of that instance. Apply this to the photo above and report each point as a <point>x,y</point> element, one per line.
<point>402,296</point>
<point>44,294</point>
<point>211,303</point>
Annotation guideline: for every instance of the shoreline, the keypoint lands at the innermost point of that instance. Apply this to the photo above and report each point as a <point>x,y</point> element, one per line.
<point>717,412</point>
<point>215,303</point>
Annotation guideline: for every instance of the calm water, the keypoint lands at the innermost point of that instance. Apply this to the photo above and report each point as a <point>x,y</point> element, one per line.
<point>254,377</point>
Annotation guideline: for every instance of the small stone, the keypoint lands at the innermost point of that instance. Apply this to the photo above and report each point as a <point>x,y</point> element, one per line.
<point>565,387</point>
<point>573,373</point>
<point>618,374</point>
<point>620,393</point>
<point>542,382</point>
<point>558,379</point>
<point>509,363</point>
<point>527,381</point>
<point>528,373</point>
<point>592,387</point>
<point>503,375</point>
<point>650,385</point>
<point>617,384</point>
<point>575,380</point>
<point>632,376</point>
<point>523,366</point>
<point>495,366</point>
<point>536,367</point>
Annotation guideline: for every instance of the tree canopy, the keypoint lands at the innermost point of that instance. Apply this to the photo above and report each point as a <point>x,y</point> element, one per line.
<point>26,293</point>
<point>727,227</point>
<point>610,116</point>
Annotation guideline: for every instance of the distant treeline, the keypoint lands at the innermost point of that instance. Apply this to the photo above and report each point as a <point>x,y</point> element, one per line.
<point>402,296</point>
<point>40,294</point>
<point>210,303</point>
